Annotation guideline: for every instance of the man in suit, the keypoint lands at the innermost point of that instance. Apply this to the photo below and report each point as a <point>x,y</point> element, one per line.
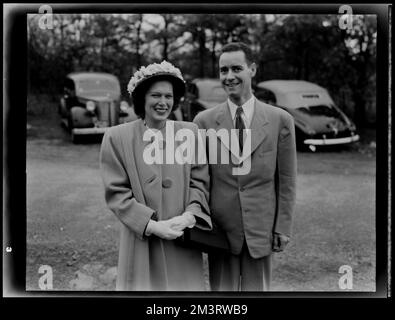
<point>254,209</point>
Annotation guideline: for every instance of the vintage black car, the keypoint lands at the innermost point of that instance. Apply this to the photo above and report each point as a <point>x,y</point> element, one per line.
<point>91,103</point>
<point>201,94</point>
<point>318,121</point>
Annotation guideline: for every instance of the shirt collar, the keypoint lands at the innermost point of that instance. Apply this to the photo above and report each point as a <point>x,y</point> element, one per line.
<point>248,109</point>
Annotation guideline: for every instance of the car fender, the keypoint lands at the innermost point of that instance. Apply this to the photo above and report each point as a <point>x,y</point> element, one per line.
<point>131,116</point>
<point>80,118</point>
<point>62,110</point>
<point>300,127</point>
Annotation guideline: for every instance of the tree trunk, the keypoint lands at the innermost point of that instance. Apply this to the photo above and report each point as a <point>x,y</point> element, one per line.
<point>214,57</point>
<point>165,48</point>
<point>165,38</point>
<point>261,68</point>
<point>202,50</point>
<point>359,98</point>
<point>361,85</point>
<point>138,56</point>
<point>306,65</point>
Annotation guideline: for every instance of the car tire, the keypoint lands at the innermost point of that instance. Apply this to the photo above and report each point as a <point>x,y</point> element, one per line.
<point>300,136</point>
<point>69,124</point>
<point>64,123</point>
<point>75,138</point>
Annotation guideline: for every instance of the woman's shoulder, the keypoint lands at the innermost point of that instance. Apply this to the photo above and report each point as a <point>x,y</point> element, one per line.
<point>124,128</point>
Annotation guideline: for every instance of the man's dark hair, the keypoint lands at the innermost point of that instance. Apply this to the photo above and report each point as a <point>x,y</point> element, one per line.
<point>239,46</point>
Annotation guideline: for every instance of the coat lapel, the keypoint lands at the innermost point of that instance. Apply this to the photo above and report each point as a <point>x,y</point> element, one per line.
<point>148,173</point>
<point>224,118</point>
<point>257,132</point>
<point>224,121</point>
<point>259,121</point>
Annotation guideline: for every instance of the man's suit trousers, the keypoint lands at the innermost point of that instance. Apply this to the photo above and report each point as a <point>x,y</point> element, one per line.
<point>229,272</point>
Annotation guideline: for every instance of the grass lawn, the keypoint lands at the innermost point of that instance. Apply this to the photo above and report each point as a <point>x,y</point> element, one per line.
<point>70,228</point>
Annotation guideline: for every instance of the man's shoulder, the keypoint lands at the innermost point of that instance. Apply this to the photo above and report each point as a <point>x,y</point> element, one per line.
<point>209,114</point>
<point>273,111</point>
<point>185,125</point>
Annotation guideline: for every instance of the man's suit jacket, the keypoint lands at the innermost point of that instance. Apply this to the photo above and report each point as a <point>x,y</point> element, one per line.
<point>261,202</point>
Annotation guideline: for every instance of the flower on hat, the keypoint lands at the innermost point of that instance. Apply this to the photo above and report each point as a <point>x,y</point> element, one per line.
<point>155,68</point>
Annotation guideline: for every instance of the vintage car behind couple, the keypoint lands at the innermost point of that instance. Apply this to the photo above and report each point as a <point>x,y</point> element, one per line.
<point>318,121</point>
<point>91,102</point>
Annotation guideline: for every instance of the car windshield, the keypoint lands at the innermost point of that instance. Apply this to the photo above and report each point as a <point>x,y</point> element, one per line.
<point>212,93</point>
<point>321,110</point>
<point>97,85</point>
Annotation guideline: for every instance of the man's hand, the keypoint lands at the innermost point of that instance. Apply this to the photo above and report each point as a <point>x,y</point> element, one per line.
<point>163,229</point>
<point>186,220</point>
<point>279,242</point>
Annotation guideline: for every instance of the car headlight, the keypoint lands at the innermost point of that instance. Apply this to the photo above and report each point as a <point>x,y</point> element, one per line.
<point>124,106</point>
<point>90,106</point>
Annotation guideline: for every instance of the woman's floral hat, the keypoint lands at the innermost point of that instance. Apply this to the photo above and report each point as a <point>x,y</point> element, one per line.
<point>165,69</point>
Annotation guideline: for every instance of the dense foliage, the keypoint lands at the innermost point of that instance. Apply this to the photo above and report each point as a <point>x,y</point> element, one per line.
<point>308,47</point>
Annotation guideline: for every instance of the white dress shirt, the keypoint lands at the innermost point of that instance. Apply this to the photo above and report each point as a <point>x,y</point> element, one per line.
<point>246,115</point>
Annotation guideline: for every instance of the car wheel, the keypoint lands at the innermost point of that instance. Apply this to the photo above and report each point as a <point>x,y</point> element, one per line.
<point>75,138</point>
<point>64,123</point>
<point>69,124</point>
<point>300,137</point>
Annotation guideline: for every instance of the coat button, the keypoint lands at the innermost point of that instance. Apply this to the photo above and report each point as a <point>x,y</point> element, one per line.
<point>167,183</point>
<point>241,189</point>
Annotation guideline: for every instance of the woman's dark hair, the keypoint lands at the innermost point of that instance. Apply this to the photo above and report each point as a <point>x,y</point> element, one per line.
<point>239,46</point>
<point>138,95</point>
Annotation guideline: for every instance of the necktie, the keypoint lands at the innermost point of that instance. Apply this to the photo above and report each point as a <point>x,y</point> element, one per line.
<point>240,125</point>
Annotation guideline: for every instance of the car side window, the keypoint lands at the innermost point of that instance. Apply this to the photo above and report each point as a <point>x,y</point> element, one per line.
<point>266,96</point>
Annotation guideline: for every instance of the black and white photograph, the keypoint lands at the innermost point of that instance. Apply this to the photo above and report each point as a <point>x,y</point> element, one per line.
<point>200,150</point>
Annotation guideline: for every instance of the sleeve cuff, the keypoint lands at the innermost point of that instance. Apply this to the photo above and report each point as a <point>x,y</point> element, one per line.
<point>203,221</point>
<point>153,217</point>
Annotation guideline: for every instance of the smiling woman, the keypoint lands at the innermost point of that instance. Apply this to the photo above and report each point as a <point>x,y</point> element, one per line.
<point>154,202</point>
<point>159,102</point>
<point>141,85</point>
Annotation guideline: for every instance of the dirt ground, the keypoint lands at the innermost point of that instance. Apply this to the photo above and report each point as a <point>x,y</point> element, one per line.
<point>70,229</point>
